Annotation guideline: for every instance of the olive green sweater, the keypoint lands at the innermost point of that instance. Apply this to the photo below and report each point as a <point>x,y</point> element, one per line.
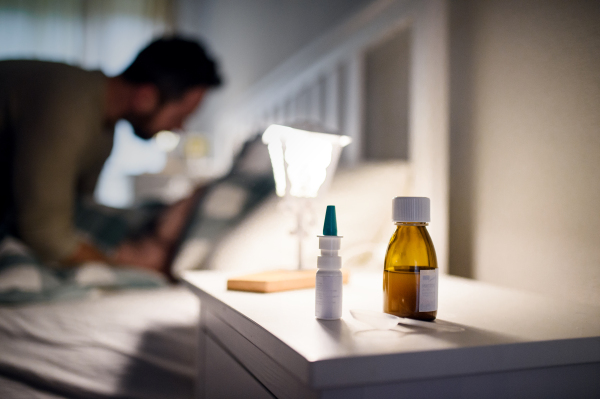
<point>53,143</point>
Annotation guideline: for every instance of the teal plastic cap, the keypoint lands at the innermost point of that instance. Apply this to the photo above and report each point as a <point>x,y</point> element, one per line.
<point>330,226</point>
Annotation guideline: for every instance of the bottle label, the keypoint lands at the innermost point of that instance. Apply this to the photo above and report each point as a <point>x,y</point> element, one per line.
<point>428,290</point>
<point>328,296</point>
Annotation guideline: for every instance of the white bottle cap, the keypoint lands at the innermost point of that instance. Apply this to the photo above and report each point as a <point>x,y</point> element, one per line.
<point>329,259</point>
<point>410,209</point>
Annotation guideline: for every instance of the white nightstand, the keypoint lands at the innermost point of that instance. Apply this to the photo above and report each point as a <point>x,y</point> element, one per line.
<point>514,344</point>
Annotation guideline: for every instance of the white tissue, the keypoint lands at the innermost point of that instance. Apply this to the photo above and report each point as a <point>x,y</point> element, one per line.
<point>95,274</point>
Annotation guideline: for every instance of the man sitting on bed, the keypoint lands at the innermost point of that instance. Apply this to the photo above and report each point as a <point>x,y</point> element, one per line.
<point>56,131</point>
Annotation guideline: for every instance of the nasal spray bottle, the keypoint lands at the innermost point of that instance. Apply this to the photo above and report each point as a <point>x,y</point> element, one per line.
<point>328,300</point>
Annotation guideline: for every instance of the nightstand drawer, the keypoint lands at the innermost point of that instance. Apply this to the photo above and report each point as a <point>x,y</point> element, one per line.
<point>268,372</point>
<point>226,378</point>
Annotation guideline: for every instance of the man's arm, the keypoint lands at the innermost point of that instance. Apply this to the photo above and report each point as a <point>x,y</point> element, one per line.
<point>155,251</point>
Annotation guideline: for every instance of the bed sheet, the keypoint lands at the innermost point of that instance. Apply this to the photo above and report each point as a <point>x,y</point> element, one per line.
<point>134,344</point>
<point>13,389</point>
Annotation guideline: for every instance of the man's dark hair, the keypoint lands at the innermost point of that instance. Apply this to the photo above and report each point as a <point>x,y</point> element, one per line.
<point>174,65</point>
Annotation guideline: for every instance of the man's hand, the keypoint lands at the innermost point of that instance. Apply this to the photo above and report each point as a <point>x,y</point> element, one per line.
<point>85,253</point>
<point>145,253</point>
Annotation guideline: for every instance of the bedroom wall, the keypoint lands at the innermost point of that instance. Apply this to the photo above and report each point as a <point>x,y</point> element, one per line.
<point>386,85</point>
<point>250,38</point>
<point>525,145</point>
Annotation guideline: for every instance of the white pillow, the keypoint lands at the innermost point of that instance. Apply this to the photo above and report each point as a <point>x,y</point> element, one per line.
<point>225,201</point>
<point>94,274</point>
<point>363,200</point>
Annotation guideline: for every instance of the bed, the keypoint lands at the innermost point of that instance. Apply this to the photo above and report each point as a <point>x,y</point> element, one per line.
<point>141,342</point>
<point>134,344</point>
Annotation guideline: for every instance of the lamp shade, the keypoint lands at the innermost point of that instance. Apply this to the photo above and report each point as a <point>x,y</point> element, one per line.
<point>303,162</point>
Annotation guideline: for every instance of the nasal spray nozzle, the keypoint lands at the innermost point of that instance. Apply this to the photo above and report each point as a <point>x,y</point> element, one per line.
<point>328,299</point>
<point>330,225</point>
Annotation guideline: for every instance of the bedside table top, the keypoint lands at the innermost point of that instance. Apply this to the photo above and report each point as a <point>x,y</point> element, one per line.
<point>500,329</point>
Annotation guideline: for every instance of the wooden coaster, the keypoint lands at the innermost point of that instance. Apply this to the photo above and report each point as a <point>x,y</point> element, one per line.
<point>277,280</point>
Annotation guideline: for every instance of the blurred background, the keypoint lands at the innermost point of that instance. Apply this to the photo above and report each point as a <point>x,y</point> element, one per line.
<point>523,112</point>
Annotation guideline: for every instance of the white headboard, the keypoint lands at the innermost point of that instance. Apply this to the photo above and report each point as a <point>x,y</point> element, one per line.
<point>323,84</point>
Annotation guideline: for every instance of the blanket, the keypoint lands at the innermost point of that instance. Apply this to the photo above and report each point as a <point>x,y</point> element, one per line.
<point>24,279</point>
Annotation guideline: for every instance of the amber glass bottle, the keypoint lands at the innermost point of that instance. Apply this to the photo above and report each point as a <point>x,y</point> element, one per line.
<point>410,275</point>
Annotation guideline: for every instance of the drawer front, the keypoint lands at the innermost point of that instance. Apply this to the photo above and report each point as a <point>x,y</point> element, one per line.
<point>225,378</point>
<point>274,377</point>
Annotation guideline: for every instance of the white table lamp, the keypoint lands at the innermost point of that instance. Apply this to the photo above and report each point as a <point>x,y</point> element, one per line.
<point>303,165</point>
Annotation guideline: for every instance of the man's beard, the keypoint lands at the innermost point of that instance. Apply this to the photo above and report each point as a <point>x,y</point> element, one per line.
<point>142,133</point>
<point>139,123</point>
